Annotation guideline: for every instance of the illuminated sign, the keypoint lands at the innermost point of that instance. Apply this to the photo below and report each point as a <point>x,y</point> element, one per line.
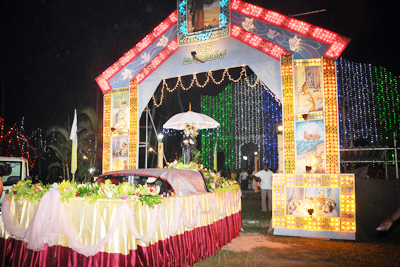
<point>204,54</point>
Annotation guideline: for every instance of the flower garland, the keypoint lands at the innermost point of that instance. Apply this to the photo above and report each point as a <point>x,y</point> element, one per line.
<point>146,194</point>
<point>190,129</point>
<point>214,183</point>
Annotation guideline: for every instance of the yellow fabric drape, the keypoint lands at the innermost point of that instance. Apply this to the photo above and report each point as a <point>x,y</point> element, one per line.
<point>93,221</point>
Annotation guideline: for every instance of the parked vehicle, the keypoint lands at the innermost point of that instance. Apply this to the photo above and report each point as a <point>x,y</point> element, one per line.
<point>180,182</point>
<point>14,169</point>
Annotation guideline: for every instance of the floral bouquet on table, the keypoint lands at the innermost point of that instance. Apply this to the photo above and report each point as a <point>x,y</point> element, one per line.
<point>213,182</point>
<point>25,189</point>
<point>220,184</point>
<point>146,194</point>
<point>181,165</point>
<point>190,130</point>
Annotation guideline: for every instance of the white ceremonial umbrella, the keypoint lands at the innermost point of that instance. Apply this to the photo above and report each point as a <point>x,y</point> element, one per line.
<point>200,121</point>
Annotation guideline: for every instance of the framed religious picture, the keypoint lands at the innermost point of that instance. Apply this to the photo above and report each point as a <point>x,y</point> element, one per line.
<point>314,205</point>
<point>202,20</point>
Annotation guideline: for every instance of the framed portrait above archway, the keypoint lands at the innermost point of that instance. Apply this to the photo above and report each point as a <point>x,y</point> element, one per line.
<point>202,20</point>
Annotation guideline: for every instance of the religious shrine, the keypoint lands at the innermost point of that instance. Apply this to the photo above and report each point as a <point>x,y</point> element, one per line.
<point>293,60</point>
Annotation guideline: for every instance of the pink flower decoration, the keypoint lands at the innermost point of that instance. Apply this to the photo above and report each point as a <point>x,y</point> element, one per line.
<point>164,194</point>
<point>77,194</point>
<point>139,194</point>
<point>124,197</point>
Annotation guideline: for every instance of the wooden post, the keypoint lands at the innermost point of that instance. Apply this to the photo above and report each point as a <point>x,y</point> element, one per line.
<point>160,155</point>
<point>255,171</point>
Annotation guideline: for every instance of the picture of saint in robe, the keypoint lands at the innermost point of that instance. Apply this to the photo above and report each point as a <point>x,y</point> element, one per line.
<point>203,15</point>
<point>120,111</point>
<point>308,89</point>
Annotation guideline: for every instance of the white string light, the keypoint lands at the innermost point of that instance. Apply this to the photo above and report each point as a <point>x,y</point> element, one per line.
<point>208,75</point>
<point>356,91</point>
<point>248,104</point>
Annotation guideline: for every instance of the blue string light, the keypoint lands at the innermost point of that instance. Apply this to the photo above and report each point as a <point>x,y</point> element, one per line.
<point>273,118</point>
<point>202,36</point>
<point>222,20</point>
<point>183,28</point>
<point>223,3</point>
<point>247,115</point>
<point>182,8</point>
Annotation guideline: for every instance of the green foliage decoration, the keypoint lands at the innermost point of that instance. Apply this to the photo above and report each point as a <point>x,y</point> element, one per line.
<point>145,194</point>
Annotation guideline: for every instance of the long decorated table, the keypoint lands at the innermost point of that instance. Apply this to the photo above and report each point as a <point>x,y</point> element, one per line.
<point>177,232</point>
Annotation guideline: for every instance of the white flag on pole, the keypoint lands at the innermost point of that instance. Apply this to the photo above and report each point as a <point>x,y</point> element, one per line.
<point>74,138</point>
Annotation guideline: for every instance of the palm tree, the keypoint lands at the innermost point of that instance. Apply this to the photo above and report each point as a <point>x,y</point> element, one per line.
<point>89,135</point>
<point>62,145</point>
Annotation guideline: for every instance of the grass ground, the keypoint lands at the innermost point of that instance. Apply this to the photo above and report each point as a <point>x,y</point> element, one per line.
<point>304,251</point>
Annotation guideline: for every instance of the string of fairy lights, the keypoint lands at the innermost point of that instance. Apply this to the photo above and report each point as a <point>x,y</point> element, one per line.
<point>357,102</point>
<point>16,144</point>
<point>272,119</point>
<point>248,115</point>
<point>249,123</point>
<point>368,109</point>
<point>209,76</point>
<point>387,98</point>
<point>368,97</point>
<point>220,108</point>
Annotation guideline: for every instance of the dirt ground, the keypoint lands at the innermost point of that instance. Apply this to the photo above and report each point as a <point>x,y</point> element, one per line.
<point>248,241</point>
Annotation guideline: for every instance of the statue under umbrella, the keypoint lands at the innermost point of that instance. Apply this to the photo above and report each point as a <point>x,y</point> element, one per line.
<point>187,142</point>
<point>190,122</point>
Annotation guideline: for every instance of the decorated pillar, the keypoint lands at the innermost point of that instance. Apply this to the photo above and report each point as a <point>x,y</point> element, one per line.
<point>120,132</point>
<point>107,132</point>
<point>288,113</point>
<point>310,115</point>
<point>133,134</point>
<point>331,116</point>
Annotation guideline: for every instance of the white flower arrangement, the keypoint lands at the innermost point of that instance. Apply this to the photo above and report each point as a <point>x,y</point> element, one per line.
<point>190,130</point>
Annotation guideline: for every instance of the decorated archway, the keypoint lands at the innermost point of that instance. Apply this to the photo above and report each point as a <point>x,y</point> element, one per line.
<point>284,52</point>
<point>295,60</point>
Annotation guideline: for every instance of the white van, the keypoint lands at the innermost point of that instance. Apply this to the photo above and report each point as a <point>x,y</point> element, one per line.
<point>19,171</point>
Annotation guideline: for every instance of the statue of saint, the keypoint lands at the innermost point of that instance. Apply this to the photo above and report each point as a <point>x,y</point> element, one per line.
<point>187,144</point>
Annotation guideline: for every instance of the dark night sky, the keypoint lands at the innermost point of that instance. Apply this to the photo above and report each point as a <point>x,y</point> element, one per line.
<point>51,51</point>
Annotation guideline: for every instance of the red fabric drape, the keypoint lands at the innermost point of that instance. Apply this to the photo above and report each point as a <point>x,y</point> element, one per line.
<point>179,250</point>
